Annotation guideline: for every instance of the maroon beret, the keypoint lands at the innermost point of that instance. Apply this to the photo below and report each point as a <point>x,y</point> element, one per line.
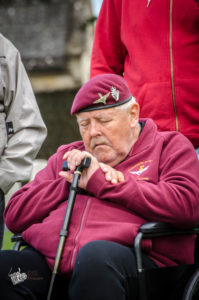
<point>102,91</point>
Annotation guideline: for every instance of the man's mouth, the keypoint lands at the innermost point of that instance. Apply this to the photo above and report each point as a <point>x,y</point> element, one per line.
<point>99,145</point>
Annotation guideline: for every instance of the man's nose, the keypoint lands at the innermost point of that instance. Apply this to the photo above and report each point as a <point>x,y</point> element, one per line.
<point>94,129</point>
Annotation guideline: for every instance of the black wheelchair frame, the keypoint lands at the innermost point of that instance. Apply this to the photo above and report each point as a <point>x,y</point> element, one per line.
<point>171,283</point>
<point>167,283</point>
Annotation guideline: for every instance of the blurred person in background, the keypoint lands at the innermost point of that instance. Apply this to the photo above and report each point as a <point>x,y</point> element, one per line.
<point>22,130</point>
<point>154,44</point>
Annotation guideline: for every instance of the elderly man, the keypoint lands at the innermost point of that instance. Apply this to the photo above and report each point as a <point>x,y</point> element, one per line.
<point>137,174</point>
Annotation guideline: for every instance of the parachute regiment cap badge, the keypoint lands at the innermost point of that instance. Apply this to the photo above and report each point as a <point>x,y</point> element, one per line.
<point>102,99</point>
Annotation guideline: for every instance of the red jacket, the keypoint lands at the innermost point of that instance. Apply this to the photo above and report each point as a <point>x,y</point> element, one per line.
<point>161,184</point>
<point>157,49</point>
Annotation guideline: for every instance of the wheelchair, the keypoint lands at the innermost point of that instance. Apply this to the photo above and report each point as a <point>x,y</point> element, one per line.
<point>167,283</point>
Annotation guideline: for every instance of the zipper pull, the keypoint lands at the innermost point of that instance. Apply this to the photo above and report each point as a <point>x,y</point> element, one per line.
<point>148,3</point>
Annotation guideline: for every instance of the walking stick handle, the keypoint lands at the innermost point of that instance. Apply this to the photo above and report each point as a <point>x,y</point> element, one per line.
<point>84,165</point>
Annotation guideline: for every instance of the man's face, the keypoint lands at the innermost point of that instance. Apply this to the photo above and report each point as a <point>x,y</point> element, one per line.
<point>108,134</point>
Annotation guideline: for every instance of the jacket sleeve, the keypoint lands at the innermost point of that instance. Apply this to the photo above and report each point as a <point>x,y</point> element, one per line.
<point>108,53</point>
<point>19,108</point>
<point>37,199</point>
<point>174,198</point>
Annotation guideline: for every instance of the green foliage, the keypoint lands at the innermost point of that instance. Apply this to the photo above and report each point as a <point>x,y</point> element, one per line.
<point>7,244</point>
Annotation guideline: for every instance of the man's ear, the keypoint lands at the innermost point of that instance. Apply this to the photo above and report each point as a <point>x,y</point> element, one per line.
<point>135,112</point>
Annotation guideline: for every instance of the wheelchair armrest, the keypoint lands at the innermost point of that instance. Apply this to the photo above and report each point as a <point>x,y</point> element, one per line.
<point>18,240</point>
<point>157,229</point>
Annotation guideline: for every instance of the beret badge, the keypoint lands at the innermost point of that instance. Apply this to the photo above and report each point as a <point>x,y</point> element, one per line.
<point>115,93</point>
<point>102,99</point>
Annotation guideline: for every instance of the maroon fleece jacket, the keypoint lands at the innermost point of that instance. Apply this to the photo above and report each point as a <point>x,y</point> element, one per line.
<point>161,184</point>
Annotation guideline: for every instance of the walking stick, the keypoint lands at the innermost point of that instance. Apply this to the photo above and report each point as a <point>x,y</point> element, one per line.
<point>64,231</point>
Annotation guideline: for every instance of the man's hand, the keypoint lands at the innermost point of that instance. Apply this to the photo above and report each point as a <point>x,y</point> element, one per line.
<point>111,174</point>
<point>74,159</point>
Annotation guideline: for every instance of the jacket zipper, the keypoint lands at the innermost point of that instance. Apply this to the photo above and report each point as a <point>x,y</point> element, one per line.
<point>171,62</point>
<point>79,232</point>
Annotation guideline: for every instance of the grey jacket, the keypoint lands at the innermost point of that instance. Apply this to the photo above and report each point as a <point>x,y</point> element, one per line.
<point>22,130</point>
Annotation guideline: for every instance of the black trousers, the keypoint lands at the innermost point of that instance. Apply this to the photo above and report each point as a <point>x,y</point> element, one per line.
<point>2,206</point>
<point>103,270</point>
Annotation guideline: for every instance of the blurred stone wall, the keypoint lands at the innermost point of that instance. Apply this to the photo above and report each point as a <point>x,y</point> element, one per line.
<point>62,127</point>
<point>55,41</point>
<point>39,29</point>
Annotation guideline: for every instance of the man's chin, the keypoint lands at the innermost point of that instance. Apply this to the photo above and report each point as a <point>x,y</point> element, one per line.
<point>101,150</point>
<point>103,158</point>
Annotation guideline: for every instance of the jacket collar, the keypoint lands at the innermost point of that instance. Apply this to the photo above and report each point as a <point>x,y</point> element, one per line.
<point>146,137</point>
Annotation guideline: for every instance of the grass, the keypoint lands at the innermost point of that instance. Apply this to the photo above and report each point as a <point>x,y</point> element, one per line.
<point>7,244</point>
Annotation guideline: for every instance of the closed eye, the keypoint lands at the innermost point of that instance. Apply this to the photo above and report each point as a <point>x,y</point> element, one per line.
<point>83,124</point>
<point>105,120</point>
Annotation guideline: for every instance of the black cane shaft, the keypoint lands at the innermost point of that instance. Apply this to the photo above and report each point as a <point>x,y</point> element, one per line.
<point>71,201</point>
<point>64,230</point>
<point>59,254</point>
<point>51,286</point>
<point>68,213</point>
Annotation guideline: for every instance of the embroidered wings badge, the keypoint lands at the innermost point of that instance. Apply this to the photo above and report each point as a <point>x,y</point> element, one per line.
<point>140,171</point>
<point>102,99</point>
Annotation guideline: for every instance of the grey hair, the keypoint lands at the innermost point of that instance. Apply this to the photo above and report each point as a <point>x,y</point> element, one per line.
<point>127,105</point>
